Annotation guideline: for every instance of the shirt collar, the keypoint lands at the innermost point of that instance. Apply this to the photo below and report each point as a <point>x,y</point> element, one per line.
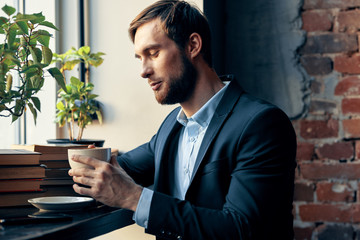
<point>205,113</point>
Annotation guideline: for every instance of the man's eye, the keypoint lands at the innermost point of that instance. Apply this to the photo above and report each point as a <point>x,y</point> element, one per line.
<point>154,53</point>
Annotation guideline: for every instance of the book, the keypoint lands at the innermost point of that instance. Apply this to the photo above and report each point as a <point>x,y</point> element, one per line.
<point>57,182</point>
<point>50,151</point>
<point>55,163</point>
<point>21,198</point>
<point>19,157</point>
<point>57,173</point>
<point>20,172</point>
<point>20,185</point>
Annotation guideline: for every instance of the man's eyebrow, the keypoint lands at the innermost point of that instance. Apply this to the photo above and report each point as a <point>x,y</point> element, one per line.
<point>148,48</point>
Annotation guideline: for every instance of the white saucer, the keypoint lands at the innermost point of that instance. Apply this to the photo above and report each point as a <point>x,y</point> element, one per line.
<point>61,202</point>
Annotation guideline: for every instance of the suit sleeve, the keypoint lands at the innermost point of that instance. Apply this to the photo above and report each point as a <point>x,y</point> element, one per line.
<point>258,202</point>
<point>139,163</point>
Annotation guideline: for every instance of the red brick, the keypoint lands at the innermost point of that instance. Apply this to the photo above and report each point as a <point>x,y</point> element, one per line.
<point>330,213</point>
<point>358,194</point>
<point>315,65</point>
<point>330,43</point>
<point>334,231</point>
<point>348,86</point>
<point>322,107</point>
<point>349,20</point>
<point>304,192</point>
<point>350,105</point>
<point>336,151</point>
<point>324,171</point>
<point>334,192</point>
<point>351,128</point>
<point>305,151</point>
<point>322,4</point>
<point>357,149</point>
<point>347,64</point>
<point>319,129</point>
<point>303,233</point>
<point>317,86</point>
<point>316,21</point>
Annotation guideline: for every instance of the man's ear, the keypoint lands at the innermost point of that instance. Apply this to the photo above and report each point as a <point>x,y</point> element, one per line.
<point>194,45</point>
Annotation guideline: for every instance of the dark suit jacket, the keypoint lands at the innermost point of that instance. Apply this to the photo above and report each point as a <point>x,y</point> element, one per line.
<point>242,186</point>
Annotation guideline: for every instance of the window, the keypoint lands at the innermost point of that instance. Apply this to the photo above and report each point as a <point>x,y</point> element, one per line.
<point>24,130</point>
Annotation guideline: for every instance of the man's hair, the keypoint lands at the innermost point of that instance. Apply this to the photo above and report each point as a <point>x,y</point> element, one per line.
<point>179,20</point>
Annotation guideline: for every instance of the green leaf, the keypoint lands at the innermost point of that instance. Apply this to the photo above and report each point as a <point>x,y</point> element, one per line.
<point>3,20</point>
<point>32,42</point>
<point>55,73</point>
<point>38,18</point>
<point>43,37</point>
<point>92,96</point>
<point>60,106</point>
<point>8,10</point>
<point>68,89</point>
<point>47,55</point>
<point>36,54</point>
<point>75,81</point>
<point>18,106</point>
<point>2,107</point>
<point>30,69</point>
<point>11,36</point>
<point>49,24</point>
<point>96,62</point>
<point>11,60</point>
<point>99,115</point>
<point>84,50</point>
<point>14,118</point>
<point>37,103</point>
<point>33,111</point>
<point>25,17</point>
<point>23,27</point>
<point>69,65</point>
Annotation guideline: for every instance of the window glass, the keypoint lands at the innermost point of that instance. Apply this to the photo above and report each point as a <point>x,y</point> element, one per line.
<point>24,130</point>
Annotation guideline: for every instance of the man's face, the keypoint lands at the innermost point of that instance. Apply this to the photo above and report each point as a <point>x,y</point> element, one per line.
<point>170,74</point>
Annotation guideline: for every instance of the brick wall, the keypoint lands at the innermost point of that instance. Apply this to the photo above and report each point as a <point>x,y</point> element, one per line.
<point>327,196</point>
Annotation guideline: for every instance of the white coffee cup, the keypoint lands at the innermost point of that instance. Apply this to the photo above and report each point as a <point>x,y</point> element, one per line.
<point>103,154</point>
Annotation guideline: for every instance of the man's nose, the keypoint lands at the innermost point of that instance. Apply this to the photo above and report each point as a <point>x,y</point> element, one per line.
<point>146,71</point>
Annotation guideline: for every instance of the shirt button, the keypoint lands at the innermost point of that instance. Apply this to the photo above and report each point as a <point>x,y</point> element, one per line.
<point>192,139</point>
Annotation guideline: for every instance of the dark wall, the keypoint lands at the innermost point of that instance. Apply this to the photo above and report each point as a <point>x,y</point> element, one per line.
<point>257,41</point>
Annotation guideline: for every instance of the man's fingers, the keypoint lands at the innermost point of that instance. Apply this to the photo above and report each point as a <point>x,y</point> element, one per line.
<point>82,190</point>
<point>88,181</point>
<point>81,172</point>
<point>114,161</point>
<point>86,160</point>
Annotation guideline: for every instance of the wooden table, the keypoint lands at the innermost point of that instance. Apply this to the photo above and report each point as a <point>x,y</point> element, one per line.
<point>86,223</point>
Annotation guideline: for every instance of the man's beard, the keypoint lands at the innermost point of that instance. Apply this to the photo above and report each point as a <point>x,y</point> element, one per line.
<point>180,88</point>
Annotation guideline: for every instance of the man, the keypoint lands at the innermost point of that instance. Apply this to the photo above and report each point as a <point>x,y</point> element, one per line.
<point>221,166</point>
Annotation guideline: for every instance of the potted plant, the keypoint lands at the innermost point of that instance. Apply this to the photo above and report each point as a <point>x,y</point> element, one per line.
<point>77,105</point>
<point>24,55</point>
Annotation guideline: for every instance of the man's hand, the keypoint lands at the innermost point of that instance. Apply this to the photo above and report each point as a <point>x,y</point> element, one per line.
<point>108,183</point>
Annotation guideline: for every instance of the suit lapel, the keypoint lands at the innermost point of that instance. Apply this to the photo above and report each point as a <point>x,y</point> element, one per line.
<point>224,108</point>
<point>166,142</point>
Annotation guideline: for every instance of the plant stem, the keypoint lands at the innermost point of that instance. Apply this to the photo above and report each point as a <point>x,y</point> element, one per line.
<point>69,131</point>
<point>72,125</point>
<point>87,74</point>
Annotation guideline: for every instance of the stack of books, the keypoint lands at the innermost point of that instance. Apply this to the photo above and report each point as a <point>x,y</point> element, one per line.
<point>47,175</point>
<point>55,160</point>
<point>21,175</point>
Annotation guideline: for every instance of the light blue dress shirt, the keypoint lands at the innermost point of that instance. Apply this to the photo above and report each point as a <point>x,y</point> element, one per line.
<point>190,140</point>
